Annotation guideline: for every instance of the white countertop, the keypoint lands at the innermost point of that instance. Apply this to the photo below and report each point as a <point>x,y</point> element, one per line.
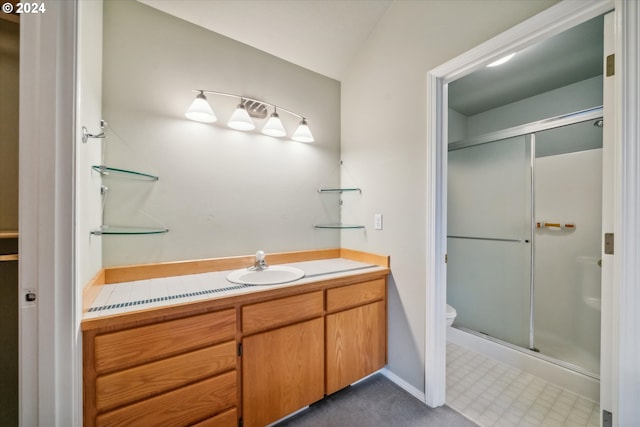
<point>119,298</point>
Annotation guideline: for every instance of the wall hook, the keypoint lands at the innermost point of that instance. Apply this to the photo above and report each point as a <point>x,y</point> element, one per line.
<point>86,135</point>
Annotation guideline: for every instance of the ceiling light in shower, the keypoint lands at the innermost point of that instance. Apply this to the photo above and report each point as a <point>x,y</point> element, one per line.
<point>501,60</point>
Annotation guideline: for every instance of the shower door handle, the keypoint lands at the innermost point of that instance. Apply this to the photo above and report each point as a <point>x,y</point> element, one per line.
<point>10,257</point>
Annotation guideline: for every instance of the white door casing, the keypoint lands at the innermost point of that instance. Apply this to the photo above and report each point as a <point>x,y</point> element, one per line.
<point>48,377</point>
<point>624,293</point>
<point>608,156</point>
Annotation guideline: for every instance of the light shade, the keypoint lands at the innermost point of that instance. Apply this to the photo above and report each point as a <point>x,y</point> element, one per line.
<point>240,119</point>
<point>303,133</point>
<point>274,126</point>
<point>200,110</point>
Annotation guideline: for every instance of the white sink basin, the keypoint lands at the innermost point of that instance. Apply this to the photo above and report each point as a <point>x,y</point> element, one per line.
<point>273,275</point>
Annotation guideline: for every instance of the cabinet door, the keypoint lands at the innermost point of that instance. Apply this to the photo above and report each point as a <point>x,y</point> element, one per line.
<point>282,371</point>
<point>356,344</point>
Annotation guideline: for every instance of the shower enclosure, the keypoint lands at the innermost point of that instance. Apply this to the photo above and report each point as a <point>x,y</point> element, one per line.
<point>524,234</point>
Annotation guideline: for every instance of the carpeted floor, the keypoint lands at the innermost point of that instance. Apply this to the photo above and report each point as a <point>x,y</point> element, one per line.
<point>375,402</point>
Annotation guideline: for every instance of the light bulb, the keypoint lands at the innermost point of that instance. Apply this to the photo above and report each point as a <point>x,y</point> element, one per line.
<point>200,110</point>
<point>303,133</point>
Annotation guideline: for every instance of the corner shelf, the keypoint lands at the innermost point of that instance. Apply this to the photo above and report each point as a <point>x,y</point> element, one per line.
<point>120,230</point>
<point>339,226</point>
<point>338,190</point>
<point>113,230</point>
<point>108,171</point>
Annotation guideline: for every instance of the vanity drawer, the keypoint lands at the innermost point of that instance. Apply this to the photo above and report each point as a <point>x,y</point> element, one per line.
<point>180,407</point>
<point>226,419</point>
<point>131,347</point>
<point>282,311</point>
<point>354,295</point>
<point>147,380</point>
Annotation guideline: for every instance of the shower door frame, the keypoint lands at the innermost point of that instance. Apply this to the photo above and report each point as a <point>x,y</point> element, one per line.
<point>625,342</point>
<point>530,130</point>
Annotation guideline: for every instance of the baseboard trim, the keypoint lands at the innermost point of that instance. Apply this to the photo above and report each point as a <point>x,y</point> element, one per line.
<point>403,385</point>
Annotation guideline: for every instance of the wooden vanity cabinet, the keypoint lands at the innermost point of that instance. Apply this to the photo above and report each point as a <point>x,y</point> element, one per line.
<point>289,367</point>
<point>356,328</point>
<point>253,358</point>
<point>177,372</point>
<point>282,368</point>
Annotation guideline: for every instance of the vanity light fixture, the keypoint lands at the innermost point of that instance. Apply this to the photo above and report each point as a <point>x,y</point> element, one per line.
<point>501,60</point>
<point>274,126</point>
<point>240,119</point>
<point>303,133</point>
<point>201,111</point>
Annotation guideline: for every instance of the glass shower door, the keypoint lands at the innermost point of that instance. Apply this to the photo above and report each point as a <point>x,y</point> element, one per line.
<point>489,238</point>
<point>568,201</point>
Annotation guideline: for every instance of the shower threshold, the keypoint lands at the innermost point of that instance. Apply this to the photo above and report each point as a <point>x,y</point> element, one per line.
<point>533,353</point>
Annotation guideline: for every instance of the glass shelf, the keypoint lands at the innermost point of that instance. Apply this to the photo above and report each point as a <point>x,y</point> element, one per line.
<point>119,230</point>
<point>338,190</point>
<point>107,171</point>
<point>338,226</point>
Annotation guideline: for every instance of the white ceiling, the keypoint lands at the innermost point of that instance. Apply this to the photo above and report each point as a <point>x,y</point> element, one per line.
<point>319,35</point>
<point>324,36</point>
<point>569,57</point>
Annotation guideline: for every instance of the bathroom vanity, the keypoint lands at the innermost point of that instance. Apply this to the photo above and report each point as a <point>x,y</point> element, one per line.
<point>247,355</point>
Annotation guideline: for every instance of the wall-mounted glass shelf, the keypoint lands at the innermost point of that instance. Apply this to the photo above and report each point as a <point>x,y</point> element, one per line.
<point>338,190</point>
<point>338,226</point>
<point>107,171</point>
<point>119,230</point>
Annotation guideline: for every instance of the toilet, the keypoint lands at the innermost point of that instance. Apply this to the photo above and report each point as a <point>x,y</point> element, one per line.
<point>451,315</point>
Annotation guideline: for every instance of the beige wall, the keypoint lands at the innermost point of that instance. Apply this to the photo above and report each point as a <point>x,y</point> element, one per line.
<point>88,113</point>
<point>221,192</point>
<point>9,64</point>
<point>384,144</point>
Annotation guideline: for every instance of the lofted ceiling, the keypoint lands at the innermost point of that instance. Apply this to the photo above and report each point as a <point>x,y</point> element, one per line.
<point>324,35</point>
<point>319,35</point>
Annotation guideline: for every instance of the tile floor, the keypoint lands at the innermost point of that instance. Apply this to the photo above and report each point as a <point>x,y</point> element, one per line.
<point>491,393</point>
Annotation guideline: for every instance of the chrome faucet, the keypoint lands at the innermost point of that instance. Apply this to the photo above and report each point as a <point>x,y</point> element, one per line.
<point>261,262</point>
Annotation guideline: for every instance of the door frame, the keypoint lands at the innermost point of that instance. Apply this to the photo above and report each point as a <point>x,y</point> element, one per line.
<point>50,363</point>
<point>626,296</point>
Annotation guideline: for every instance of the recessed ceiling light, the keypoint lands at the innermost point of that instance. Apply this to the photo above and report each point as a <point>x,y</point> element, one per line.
<point>501,60</point>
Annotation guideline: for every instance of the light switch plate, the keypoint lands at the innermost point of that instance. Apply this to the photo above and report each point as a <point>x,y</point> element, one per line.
<point>377,221</point>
